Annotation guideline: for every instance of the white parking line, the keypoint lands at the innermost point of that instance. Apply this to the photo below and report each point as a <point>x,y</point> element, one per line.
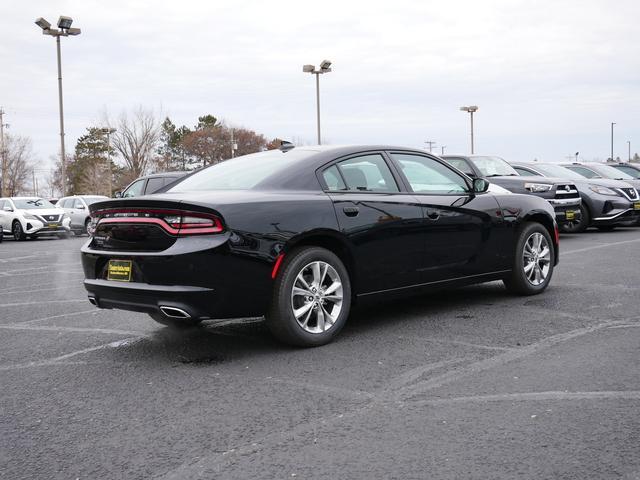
<point>56,360</point>
<point>71,314</point>
<point>47,302</point>
<point>53,328</point>
<point>604,245</point>
<point>535,397</point>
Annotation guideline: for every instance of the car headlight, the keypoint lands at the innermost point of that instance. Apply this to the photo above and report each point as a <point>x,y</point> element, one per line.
<point>537,187</point>
<point>603,190</point>
<point>28,216</point>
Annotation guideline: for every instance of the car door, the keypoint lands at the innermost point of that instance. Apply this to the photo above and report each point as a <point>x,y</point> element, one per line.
<point>463,231</point>
<point>381,221</point>
<point>78,213</point>
<point>3,215</point>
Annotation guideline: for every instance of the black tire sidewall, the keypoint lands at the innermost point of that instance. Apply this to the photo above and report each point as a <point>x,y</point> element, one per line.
<point>281,320</point>
<point>20,234</point>
<point>518,282</point>
<point>585,219</point>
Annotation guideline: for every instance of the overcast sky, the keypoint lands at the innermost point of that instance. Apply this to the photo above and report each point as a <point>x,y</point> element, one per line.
<point>548,76</point>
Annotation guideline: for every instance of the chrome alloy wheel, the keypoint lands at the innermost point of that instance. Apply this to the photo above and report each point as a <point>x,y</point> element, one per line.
<point>316,297</point>
<point>536,258</point>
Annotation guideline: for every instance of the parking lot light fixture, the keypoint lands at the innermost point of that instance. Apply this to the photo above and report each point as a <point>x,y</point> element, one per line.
<point>64,30</point>
<point>325,67</point>
<point>471,109</point>
<point>612,124</point>
<point>108,132</point>
<point>629,150</point>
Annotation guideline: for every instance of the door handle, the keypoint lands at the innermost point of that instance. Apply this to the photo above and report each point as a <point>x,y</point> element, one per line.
<point>351,211</point>
<point>433,215</point>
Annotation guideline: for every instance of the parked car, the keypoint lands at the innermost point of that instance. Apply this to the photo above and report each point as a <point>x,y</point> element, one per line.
<point>600,170</point>
<point>604,202</point>
<point>77,207</point>
<point>632,169</point>
<point>560,193</point>
<point>149,184</point>
<point>300,234</point>
<point>28,217</point>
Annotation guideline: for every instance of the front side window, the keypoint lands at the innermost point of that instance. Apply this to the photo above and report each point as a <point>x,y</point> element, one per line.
<point>525,172</point>
<point>368,173</point>
<point>426,175</point>
<point>135,190</point>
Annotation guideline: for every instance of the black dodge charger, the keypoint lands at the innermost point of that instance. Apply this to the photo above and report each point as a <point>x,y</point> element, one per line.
<point>300,235</point>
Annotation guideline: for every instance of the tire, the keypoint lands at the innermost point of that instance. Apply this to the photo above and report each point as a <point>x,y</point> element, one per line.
<point>606,228</point>
<point>175,323</point>
<point>311,271</point>
<point>86,227</point>
<point>578,226</point>
<point>531,271</point>
<point>16,229</point>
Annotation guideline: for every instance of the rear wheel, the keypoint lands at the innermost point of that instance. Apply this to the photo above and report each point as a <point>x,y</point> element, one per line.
<point>311,298</point>
<point>18,232</point>
<point>175,323</point>
<point>86,226</point>
<point>533,261</point>
<point>577,225</point>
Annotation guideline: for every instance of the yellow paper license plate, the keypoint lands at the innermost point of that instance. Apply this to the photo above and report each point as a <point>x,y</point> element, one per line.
<point>53,225</point>
<point>119,270</point>
<point>636,206</point>
<point>570,215</point>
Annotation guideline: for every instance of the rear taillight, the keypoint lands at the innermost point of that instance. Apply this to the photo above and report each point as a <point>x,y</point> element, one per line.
<point>556,232</point>
<point>175,222</point>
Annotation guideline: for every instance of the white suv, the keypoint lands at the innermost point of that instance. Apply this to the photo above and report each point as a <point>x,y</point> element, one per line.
<point>32,216</point>
<point>77,207</point>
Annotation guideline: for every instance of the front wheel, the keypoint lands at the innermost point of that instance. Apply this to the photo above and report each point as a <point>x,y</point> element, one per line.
<point>577,225</point>
<point>18,232</point>
<point>533,261</point>
<point>311,298</point>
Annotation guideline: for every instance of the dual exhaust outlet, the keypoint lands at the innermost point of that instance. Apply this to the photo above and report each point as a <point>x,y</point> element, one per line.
<point>167,311</point>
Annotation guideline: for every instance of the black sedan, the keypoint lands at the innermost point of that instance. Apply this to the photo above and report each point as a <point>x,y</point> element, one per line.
<point>302,234</point>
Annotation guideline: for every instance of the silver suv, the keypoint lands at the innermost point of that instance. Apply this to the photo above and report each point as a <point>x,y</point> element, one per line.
<point>77,207</point>
<point>32,216</point>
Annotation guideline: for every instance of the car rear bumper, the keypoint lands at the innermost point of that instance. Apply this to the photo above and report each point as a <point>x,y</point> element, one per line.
<point>142,297</point>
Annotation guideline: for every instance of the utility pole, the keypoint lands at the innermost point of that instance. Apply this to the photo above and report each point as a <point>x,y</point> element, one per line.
<point>108,131</point>
<point>612,124</point>
<point>431,144</point>
<point>629,147</point>
<point>3,155</point>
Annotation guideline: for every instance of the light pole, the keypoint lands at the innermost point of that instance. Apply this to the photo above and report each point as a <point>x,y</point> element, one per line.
<point>442,147</point>
<point>108,131</point>
<point>325,67</point>
<point>612,124</point>
<point>577,153</point>
<point>64,30</point>
<point>3,155</point>
<point>471,109</point>
<point>629,147</point>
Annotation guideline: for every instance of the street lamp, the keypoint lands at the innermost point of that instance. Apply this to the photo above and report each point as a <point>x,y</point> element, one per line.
<point>108,131</point>
<point>577,153</point>
<point>471,109</point>
<point>612,124</point>
<point>64,30</point>
<point>325,67</point>
<point>629,147</point>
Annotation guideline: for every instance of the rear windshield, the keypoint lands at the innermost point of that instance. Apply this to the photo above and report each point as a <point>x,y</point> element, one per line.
<point>493,166</point>
<point>242,173</point>
<point>31,203</point>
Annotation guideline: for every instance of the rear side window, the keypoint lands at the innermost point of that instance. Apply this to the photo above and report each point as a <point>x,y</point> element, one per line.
<point>155,183</point>
<point>333,179</point>
<point>134,190</point>
<point>368,173</point>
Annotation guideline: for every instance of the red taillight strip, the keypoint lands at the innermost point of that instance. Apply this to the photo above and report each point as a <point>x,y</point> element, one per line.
<point>182,229</point>
<point>276,266</point>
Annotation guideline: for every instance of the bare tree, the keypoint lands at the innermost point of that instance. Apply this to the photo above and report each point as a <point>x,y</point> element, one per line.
<point>19,155</point>
<point>136,139</point>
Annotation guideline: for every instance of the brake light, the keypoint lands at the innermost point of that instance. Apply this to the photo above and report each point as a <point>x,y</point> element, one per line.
<point>557,234</point>
<point>174,222</point>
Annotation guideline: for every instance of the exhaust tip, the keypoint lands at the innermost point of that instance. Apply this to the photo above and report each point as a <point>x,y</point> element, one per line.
<point>174,312</point>
<point>93,301</point>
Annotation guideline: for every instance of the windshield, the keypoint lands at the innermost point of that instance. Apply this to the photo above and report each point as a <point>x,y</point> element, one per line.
<point>610,172</point>
<point>32,203</point>
<point>241,173</point>
<point>558,171</point>
<point>493,166</point>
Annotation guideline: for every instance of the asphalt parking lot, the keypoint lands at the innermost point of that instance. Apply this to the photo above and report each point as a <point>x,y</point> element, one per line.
<point>472,383</point>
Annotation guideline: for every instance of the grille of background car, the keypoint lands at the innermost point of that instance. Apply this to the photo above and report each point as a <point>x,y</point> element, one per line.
<point>630,193</point>
<point>567,191</point>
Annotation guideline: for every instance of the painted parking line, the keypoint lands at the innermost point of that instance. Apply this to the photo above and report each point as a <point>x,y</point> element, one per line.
<point>594,247</point>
